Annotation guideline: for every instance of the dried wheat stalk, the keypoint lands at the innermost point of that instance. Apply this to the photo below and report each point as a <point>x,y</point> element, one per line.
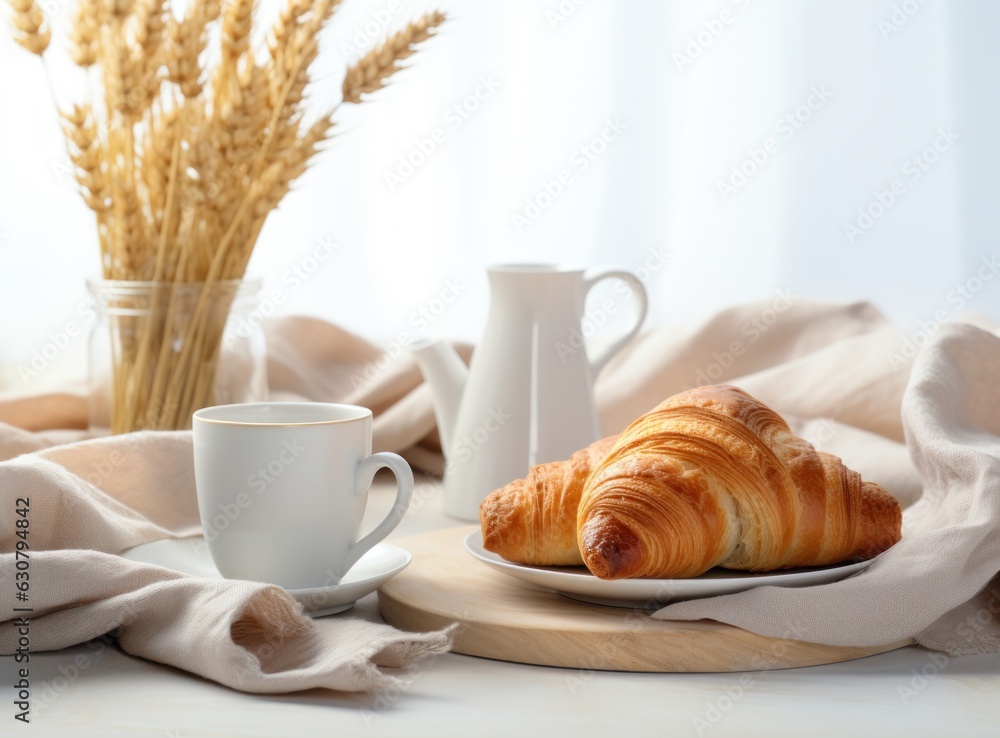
<point>373,69</point>
<point>182,164</point>
<point>30,28</point>
<point>83,36</point>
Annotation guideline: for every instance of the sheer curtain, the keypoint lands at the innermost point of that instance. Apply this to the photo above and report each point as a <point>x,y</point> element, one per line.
<point>727,150</point>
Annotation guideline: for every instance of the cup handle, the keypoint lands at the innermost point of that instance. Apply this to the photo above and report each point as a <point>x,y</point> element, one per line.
<point>363,476</point>
<point>592,278</point>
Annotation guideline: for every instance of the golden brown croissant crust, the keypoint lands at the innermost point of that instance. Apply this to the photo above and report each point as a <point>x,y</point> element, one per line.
<point>713,477</point>
<point>533,520</point>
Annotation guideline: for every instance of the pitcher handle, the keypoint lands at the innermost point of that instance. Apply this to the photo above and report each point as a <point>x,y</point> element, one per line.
<point>592,278</point>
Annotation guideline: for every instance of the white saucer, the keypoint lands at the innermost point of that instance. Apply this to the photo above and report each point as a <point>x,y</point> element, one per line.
<point>191,556</point>
<point>577,583</point>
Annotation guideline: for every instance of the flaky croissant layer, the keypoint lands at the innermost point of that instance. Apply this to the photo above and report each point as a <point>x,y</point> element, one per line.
<point>711,477</point>
<point>533,520</point>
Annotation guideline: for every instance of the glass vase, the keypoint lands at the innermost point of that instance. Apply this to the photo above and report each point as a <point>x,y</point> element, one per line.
<point>159,351</point>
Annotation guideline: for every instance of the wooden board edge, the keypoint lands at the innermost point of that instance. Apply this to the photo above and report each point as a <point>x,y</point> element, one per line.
<point>742,651</point>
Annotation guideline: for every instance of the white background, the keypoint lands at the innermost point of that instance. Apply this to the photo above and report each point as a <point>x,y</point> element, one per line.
<point>564,69</point>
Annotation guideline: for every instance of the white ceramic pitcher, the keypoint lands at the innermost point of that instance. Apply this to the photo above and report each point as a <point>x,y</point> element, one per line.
<point>528,396</point>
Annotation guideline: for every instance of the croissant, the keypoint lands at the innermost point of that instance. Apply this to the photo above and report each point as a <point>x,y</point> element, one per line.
<point>533,520</point>
<point>713,477</point>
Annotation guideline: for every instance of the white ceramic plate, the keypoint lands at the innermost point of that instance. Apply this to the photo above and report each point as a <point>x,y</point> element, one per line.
<point>191,556</point>
<point>579,584</point>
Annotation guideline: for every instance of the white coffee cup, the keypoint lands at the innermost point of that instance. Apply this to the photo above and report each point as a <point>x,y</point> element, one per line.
<point>282,488</point>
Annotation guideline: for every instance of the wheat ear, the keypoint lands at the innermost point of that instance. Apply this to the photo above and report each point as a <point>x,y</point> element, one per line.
<point>187,41</point>
<point>86,154</point>
<point>280,116</point>
<point>85,32</point>
<point>31,28</point>
<point>373,70</point>
<point>147,56</point>
<point>236,21</point>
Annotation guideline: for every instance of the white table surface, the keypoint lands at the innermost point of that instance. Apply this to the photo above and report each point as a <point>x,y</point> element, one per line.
<point>456,695</point>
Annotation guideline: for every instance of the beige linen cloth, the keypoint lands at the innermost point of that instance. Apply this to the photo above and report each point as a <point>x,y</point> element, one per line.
<point>842,375</point>
<point>88,501</point>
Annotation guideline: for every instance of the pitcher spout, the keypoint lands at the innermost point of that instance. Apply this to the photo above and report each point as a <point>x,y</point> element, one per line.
<point>446,373</point>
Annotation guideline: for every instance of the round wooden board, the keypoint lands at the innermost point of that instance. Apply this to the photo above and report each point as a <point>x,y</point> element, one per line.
<point>502,618</point>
